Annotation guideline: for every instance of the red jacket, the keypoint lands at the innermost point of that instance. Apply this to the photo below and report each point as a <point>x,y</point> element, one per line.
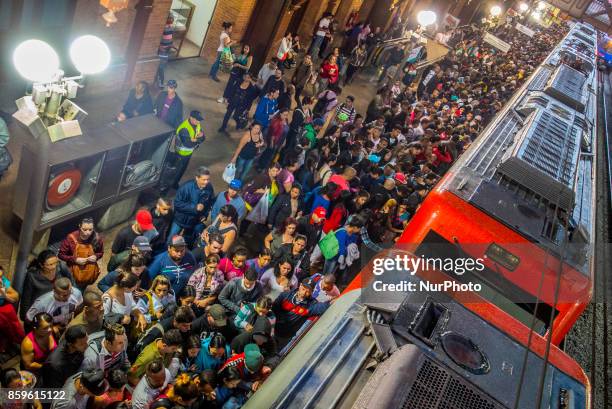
<point>329,71</point>
<point>441,157</point>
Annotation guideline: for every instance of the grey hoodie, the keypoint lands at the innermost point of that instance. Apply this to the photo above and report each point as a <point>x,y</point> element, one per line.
<point>234,293</point>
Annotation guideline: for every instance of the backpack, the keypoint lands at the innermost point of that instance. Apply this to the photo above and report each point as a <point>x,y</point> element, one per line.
<point>319,108</point>
<point>329,245</point>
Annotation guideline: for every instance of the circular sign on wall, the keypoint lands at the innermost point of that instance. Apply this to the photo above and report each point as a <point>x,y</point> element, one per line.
<point>63,187</point>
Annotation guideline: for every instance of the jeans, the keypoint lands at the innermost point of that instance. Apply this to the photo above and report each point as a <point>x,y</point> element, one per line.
<point>176,229</point>
<point>243,167</point>
<point>160,70</point>
<point>215,67</point>
<point>330,266</point>
<point>316,46</point>
<point>230,110</point>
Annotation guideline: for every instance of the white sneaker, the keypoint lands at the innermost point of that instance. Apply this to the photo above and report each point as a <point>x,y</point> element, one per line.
<point>221,100</point>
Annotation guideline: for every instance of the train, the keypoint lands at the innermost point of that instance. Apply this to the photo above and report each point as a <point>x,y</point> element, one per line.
<point>520,202</point>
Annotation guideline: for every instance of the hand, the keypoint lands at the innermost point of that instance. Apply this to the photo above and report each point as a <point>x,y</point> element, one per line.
<point>139,293</point>
<point>126,320</point>
<point>81,261</point>
<point>260,191</point>
<point>266,370</point>
<point>92,258</point>
<point>255,386</point>
<point>159,314</point>
<point>142,323</point>
<point>248,328</point>
<point>121,117</point>
<point>200,207</point>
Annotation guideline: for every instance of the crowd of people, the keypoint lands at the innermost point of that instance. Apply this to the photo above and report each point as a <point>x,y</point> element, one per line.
<point>204,292</point>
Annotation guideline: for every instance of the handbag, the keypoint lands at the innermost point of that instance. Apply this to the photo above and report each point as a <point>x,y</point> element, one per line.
<point>229,173</point>
<point>226,60</point>
<point>329,245</point>
<point>259,214</point>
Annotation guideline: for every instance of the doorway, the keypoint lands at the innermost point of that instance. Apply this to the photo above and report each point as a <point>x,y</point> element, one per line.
<point>191,22</point>
<point>261,29</point>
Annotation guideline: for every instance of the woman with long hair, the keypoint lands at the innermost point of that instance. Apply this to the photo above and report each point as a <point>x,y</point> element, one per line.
<point>41,274</point>
<point>156,300</point>
<point>284,234</point>
<point>251,145</point>
<point>242,63</point>
<point>225,225</point>
<point>224,42</point>
<point>279,279</point>
<point>120,300</point>
<point>208,282</point>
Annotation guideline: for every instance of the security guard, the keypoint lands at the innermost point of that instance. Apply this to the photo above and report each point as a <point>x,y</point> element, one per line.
<point>189,136</point>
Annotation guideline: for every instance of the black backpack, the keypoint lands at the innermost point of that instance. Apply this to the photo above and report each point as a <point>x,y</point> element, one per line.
<point>319,109</point>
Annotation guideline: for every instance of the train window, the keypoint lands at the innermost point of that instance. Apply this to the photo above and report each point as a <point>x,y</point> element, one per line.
<point>496,289</point>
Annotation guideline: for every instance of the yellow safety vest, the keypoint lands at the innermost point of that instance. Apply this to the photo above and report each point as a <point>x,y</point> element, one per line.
<point>183,150</point>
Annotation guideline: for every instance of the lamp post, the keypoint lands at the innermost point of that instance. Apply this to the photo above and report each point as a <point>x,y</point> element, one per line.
<point>38,63</point>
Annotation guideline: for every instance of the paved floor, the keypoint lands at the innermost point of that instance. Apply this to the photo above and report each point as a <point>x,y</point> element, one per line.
<point>197,92</point>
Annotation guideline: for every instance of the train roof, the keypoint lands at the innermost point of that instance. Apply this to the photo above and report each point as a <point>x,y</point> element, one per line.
<point>420,349</point>
<point>533,167</point>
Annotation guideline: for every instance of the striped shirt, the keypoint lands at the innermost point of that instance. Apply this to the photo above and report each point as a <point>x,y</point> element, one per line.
<point>349,111</point>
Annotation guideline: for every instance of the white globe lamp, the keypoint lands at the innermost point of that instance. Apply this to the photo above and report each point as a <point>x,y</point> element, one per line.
<point>36,61</point>
<point>496,11</point>
<point>89,54</point>
<point>426,18</point>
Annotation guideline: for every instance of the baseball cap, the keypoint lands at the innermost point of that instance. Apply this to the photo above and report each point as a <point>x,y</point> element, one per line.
<point>144,220</point>
<point>400,178</point>
<point>93,380</point>
<point>142,243</point>
<point>197,115</point>
<point>320,212</point>
<point>253,359</point>
<point>309,283</point>
<point>235,184</point>
<point>262,330</point>
<point>178,241</point>
<point>217,312</point>
<point>172,84</point>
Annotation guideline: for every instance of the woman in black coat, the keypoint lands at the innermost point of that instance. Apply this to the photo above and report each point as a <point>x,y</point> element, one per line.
<point>42,273</point>
<point>286,205</point>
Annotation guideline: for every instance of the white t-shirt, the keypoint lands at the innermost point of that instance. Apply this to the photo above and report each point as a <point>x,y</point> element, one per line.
<point>61,311</point>
<point>113,306</point>
<point>222,38</point>
<point>323,24</point>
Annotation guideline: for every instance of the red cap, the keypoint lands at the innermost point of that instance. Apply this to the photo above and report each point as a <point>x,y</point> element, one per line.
<point>144,220</point>
<point>400,178</point>
<point>320,212</point>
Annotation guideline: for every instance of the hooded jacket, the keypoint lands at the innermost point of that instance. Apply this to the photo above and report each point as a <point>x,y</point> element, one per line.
<point>233,294</point>
<point>205,360</point>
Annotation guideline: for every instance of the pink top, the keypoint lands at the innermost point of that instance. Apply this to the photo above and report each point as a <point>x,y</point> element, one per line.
<point>40,355</point>
<point>228,269</point>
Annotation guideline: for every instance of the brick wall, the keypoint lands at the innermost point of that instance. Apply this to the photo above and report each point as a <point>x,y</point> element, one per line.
<point>280,32</point>
<point>235,11</point>
<point>88,20</point>
<point>155,28</point>
<point>314,11</point>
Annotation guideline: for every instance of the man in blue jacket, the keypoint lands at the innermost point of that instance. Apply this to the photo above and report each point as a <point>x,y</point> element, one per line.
<point>293,309</point>
<point>230,197</point>
<point>267,108</point>
<point>177,264</point>
<point>192,204</point>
